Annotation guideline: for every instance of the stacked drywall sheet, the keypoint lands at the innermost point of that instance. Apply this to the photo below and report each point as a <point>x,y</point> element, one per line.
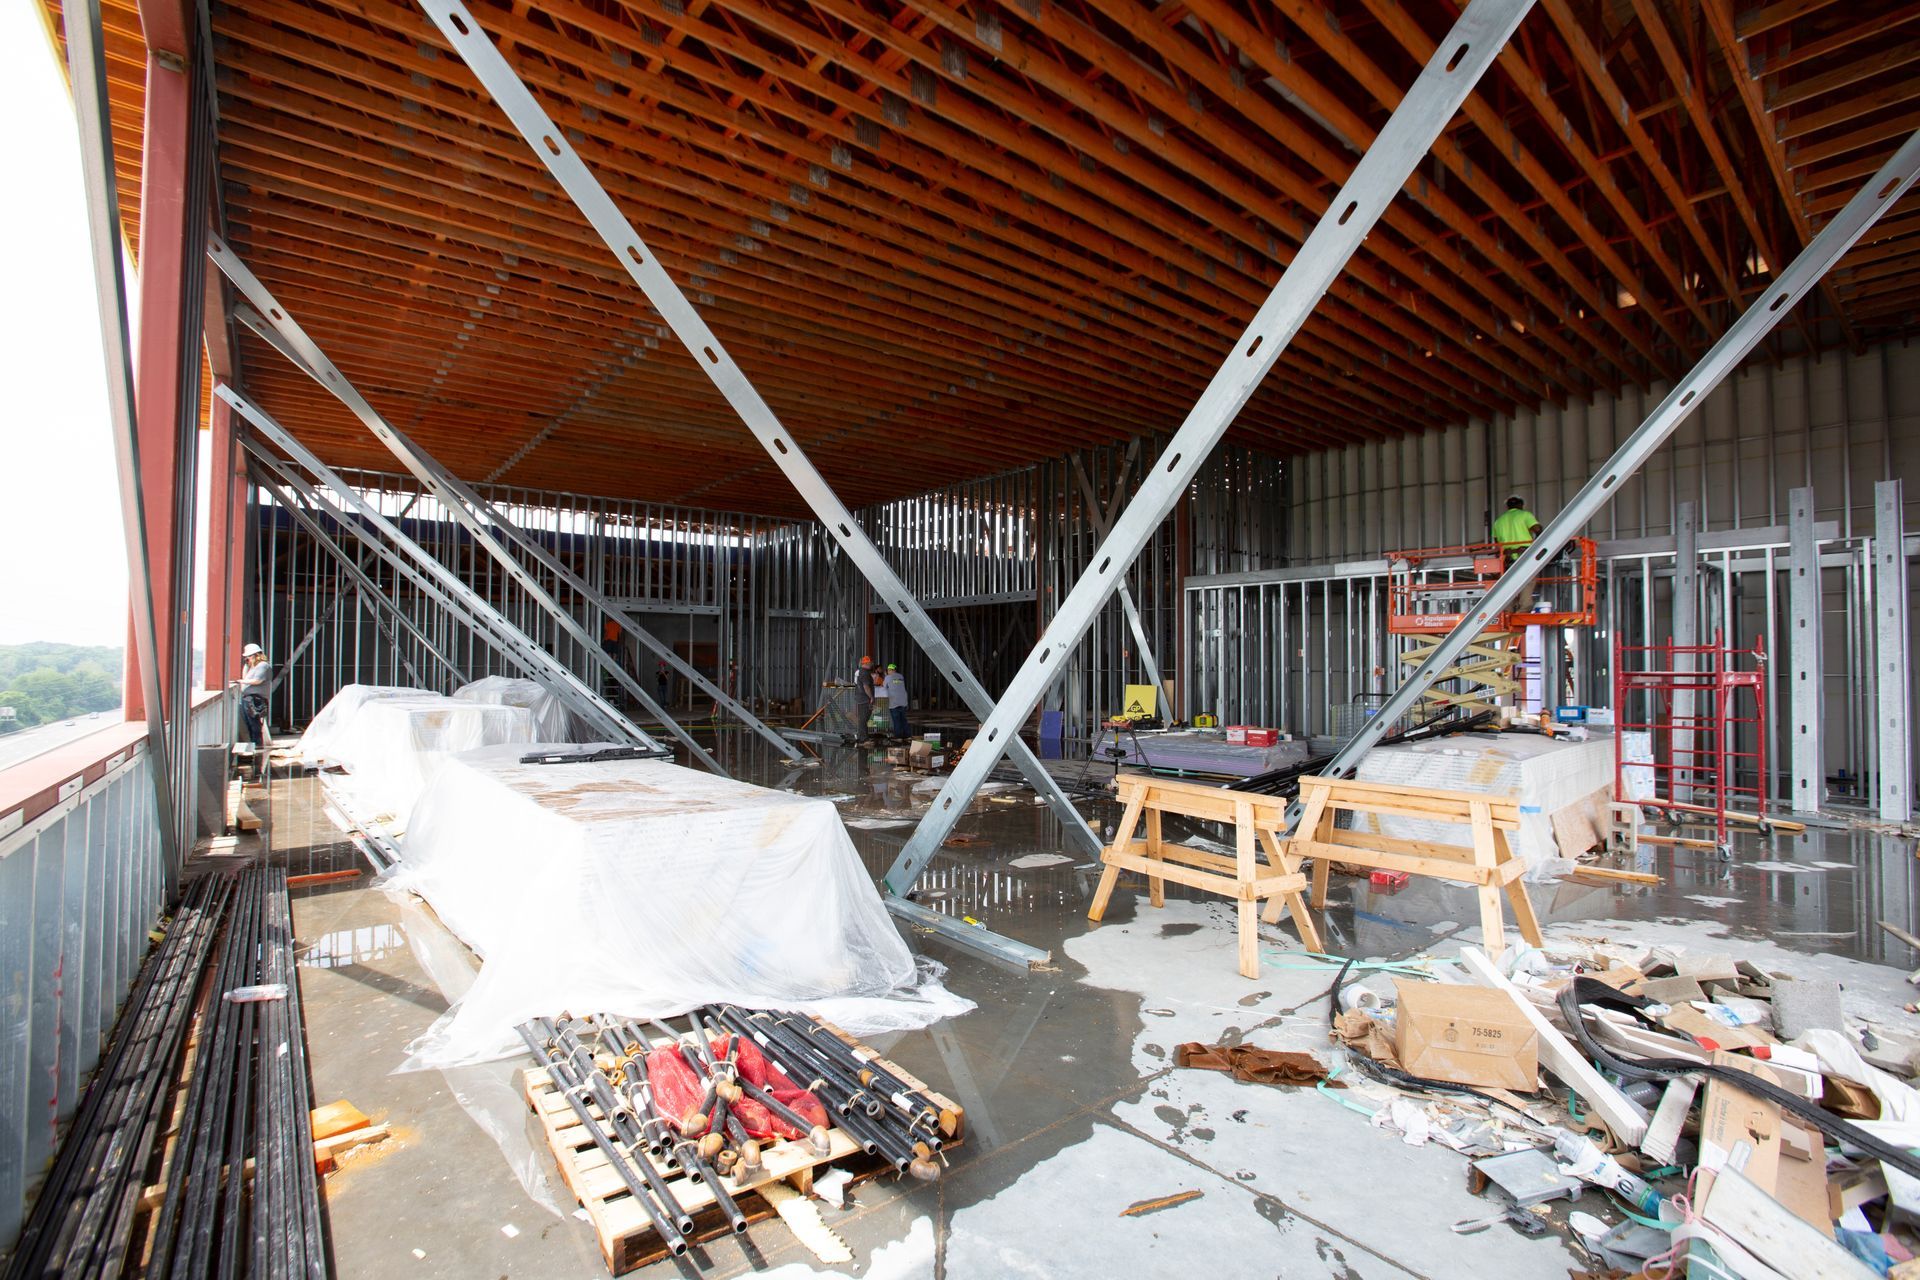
<point>1562,787</point>
<point>643,888</point>
<point>552,722</point>
<point>391,746</point>
<point>1198,751</point>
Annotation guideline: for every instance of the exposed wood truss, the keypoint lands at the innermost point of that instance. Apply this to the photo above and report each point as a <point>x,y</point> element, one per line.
<point>947,237</point>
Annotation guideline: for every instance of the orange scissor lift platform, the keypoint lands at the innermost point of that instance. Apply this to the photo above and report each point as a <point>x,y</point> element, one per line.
<point>1431,589</point>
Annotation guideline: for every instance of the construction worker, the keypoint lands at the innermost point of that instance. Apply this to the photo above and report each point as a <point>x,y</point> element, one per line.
<point>254,682</point>
<point>1515,528</point>
<point>610,638</point>
<point>863,694</point>
<point>896,686</point>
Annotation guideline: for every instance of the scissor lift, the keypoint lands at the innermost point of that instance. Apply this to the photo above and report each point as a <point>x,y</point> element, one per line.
<point>1430,589</point>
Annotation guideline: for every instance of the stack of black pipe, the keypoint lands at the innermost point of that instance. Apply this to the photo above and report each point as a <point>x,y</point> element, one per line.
<point>885,1115</point>
<point>82,1219</point>
<point>241,1195</point>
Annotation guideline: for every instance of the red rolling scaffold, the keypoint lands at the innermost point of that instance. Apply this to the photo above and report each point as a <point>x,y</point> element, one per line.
<point>1696,704</point>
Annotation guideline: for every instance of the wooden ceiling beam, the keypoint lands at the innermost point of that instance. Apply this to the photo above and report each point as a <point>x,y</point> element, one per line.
<point>1621,111</point>
<point>1850,71</point>
<point>1765,18</point>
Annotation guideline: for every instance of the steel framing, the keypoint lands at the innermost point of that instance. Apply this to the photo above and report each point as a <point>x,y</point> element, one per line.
<point>364,586</point>
<point>1101,517</point>
<point>473,511</point>
<point>550,143</point>
<point>87,74</point>
<point>1472,46</point>
<point>481,614</point>
<point>271,321</point>
<point>1806,270</point>
<point>1891,682</point>
<point>1806,655</point>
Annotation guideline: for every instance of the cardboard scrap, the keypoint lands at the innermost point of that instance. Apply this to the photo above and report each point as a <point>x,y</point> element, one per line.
<point>1363,1033</point>
<point>1465,1035</point>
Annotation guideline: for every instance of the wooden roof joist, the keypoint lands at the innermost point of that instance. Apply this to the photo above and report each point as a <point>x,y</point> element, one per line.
<point>951,237</point>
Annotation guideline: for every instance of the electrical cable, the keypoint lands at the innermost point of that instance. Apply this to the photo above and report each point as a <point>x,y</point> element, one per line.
<point>1587,991</point>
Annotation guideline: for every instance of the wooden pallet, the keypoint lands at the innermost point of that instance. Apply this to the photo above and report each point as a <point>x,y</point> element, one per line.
<point>626,1235</point>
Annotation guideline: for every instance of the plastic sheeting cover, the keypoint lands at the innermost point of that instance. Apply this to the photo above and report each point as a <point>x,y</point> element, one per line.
<point>317,743</point>
<point>1546,775</point>
<point>393,747</point>
<point>552,722</point>
<point>645,889</point>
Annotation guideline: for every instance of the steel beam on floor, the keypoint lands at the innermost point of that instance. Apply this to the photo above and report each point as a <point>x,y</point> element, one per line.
<point>1758,320</point>
<point>1806,658</point>
<point>475,611</point>
<point>87,76</point>
<point>549,142</point>
<point>1893,770</point>
<point>1461,59</point>
<point>362,583</point>
<point>275,323</point>
<point>1102,518</point>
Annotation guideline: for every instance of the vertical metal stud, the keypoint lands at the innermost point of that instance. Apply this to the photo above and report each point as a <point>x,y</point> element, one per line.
<point>1894,770</point>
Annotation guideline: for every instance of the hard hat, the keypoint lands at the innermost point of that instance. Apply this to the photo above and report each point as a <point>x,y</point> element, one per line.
<point>865,661</point>
<point>248,651</point>
<point>893,666</point>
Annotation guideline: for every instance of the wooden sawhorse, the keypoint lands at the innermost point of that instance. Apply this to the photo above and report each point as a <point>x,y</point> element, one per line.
<point>1489,863</point>
<point>1257,822</point>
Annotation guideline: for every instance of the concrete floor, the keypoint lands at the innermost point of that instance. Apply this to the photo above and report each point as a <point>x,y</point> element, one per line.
<point>1073,1108</point>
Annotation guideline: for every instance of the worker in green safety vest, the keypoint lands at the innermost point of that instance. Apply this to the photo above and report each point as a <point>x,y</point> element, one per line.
<point>1515,528</point>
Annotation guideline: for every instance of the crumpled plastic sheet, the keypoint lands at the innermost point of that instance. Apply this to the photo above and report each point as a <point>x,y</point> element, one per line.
<point>393,747</point>
<point>318,744</point>
<point>552,722</point>
<point>645,889</point>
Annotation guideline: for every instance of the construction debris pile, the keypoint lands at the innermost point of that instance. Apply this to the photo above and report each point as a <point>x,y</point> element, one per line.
<point>741,1101</point>
<point>1707,1108</point>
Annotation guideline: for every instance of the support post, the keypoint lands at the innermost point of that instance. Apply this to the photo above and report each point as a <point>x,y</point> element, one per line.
<point>305,355</point>
<point>549,142</point>
<point>1893,772</point>
<point>479,614</point>
<point>87,74</point>
<point>1805,657</point>
<point>1458,63</point>
<point>1758,320</point>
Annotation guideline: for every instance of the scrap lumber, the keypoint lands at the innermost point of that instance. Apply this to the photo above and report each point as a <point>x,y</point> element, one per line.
<point>1774,1234</point>
<point>1625,1117</point>
<point>1662,1138</point>
<point>1611,875</point>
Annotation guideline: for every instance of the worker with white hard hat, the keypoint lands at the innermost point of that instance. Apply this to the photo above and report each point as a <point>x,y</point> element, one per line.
<point>255,683</point>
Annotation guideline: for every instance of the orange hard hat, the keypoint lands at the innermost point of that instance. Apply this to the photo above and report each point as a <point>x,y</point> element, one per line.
<point>865,661</point>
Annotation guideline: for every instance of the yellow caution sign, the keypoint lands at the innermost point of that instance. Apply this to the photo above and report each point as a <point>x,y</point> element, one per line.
<point>1140,702</point>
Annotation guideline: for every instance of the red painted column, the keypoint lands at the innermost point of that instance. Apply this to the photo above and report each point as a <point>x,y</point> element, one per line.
<point>157,355</point>
<point>226,554</point>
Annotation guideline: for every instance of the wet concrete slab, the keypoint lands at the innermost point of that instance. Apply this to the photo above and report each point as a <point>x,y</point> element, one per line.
<point>1074,1110</point>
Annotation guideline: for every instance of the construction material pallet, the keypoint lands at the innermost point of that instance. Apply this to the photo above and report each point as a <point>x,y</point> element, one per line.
<point>626,1235</point>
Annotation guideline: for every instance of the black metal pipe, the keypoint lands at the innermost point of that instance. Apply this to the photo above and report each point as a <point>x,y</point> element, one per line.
<point>771,1038</point>
<point>560,1067</point>
<point>906,1098</point>
<point>581,1065</point>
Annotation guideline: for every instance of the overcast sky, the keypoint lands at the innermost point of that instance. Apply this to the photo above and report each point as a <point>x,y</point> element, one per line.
<point>63,565</point>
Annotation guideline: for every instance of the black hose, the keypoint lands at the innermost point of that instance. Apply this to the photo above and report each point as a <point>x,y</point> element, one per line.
<point>1587,991</point>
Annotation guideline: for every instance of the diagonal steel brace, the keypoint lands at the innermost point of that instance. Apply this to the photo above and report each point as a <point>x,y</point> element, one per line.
<point>549,142</point>
<point>1458,63</point>
<point>477,612</point>
<point>305,355</point>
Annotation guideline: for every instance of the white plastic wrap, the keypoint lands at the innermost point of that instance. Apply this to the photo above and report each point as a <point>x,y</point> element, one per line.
<point>317,743</point>
<point>1546,775</point>
<point>552,722</point>
<point>643,888</point>
<point>391,748</point>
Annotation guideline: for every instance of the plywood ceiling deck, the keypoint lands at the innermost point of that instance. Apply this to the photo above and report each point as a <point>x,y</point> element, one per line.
<point>945,239</point>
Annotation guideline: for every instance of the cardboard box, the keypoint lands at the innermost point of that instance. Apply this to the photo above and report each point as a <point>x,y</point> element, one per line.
<point>1237,734</point>
<point>1262,737</point>
<point>1465,1035</point>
